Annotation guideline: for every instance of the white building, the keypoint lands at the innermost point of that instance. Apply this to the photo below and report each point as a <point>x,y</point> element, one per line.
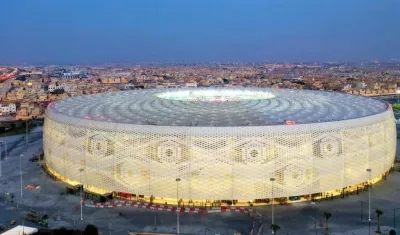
<point>191,84</point>
<point>69,88</point>
<point>12,108</point>
<point>347,87</point>
<point>8,109</point>
<point>216,149</point>
<point>53,87</point>
<point>361,85</point>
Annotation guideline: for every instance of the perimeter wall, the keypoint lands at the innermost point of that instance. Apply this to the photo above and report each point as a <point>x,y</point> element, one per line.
<point>220,163</point>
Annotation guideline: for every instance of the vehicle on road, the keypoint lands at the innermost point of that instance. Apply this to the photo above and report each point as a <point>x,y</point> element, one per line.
<point>37,157</point>
<point>36,217</point>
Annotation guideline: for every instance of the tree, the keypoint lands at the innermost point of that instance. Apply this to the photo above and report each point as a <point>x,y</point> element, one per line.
<point>275,227</point>
<point>327,216</point>
<point>91,230</point>
<point>378,214</point>
<point>13,125</point>
<point>392,232</point>
<point>61,231</point>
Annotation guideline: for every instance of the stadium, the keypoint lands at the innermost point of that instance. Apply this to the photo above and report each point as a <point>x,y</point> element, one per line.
<point>219,144</point>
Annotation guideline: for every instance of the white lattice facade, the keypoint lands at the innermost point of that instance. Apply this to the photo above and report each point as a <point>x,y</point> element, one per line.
<point>220,163</point>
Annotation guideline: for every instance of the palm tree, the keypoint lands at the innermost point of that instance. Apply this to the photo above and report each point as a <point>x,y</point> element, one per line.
<point>378,214</point>
<point>327,216</point>
<point>91,230</point>
<point>275,227</point>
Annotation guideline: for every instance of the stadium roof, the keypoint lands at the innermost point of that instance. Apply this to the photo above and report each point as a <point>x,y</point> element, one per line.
<point>218,107</point>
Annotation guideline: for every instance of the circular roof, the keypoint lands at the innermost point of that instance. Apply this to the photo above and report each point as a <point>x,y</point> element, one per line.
<point>218,107</point>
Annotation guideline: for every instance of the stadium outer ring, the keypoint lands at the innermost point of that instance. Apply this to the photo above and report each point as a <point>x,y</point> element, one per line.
<point>307,159</point>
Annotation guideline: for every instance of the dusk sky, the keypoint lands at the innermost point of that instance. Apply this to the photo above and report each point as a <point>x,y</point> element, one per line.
<point>86,31</point>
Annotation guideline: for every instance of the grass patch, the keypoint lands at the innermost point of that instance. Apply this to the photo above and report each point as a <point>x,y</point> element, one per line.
<point>396,107</point>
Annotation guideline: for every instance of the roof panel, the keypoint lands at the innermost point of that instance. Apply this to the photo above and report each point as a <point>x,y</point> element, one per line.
<point>219,106</point>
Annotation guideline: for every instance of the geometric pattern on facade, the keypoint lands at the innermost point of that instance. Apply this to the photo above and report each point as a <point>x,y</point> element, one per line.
<point>220,163</point>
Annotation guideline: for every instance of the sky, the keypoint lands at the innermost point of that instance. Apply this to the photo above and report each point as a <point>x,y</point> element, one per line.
<point>133,31</point>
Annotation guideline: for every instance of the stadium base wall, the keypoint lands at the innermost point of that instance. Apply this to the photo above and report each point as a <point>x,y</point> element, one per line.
<point>220,163</point>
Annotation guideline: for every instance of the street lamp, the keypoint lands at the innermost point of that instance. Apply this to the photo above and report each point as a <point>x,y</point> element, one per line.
<point>5,149</point>
<point>1,145</point>
<point>5,143</point>
<point>394,217</point>
<point>369,194</point>
<point>155,223</point>
<point>109,228</point>
<point>20,172</point>
<point>177,205</point>
<point>81,171</point>
<point>315,217</point>
<point>398,96</point>
<point>272,186</point>
<point>26,134</point>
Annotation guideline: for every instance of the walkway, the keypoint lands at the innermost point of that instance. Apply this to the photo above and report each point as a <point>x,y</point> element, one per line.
<point>158,207</point>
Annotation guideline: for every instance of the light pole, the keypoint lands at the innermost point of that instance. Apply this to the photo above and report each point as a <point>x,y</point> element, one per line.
<point>177,205</point>
<point>272,211</point>
<point>394,217</point>
<point>5,144</point>
<point>155,223</point>
<point>315,217</point>
<point>20,172</point>
<point>398,96</point>
<point>369,195</point>
<point>1,145</point>
<point>81,171</point>
<point>26,134</point>
<point>109,228</point>
<point>5,150</point>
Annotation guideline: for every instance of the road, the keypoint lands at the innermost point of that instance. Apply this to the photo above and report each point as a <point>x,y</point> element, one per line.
<point>32,137</point>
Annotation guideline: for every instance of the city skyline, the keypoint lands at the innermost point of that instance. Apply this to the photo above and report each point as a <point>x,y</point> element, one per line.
<point>197,32</point>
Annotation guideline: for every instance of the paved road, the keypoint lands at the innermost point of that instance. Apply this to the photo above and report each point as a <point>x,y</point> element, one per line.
<point>32,137</point>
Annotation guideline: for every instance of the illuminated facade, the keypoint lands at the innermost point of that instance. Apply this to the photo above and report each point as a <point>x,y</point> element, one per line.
<point>215,162</point>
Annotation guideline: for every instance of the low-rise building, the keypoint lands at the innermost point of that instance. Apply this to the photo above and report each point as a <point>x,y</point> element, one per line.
<point>7,109</point>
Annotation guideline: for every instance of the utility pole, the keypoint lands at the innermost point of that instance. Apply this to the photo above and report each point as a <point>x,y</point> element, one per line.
<point>398,96</point>
<point>177,205</point>
<point>369,194</point>
<point>5,148</point>
<point>315,217</point>
<point>20,172</point>
<point>81,171</point>
<point>272,211</point>
<point>109,228</point>
<point>1,173</point>
<point>26,134</point>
